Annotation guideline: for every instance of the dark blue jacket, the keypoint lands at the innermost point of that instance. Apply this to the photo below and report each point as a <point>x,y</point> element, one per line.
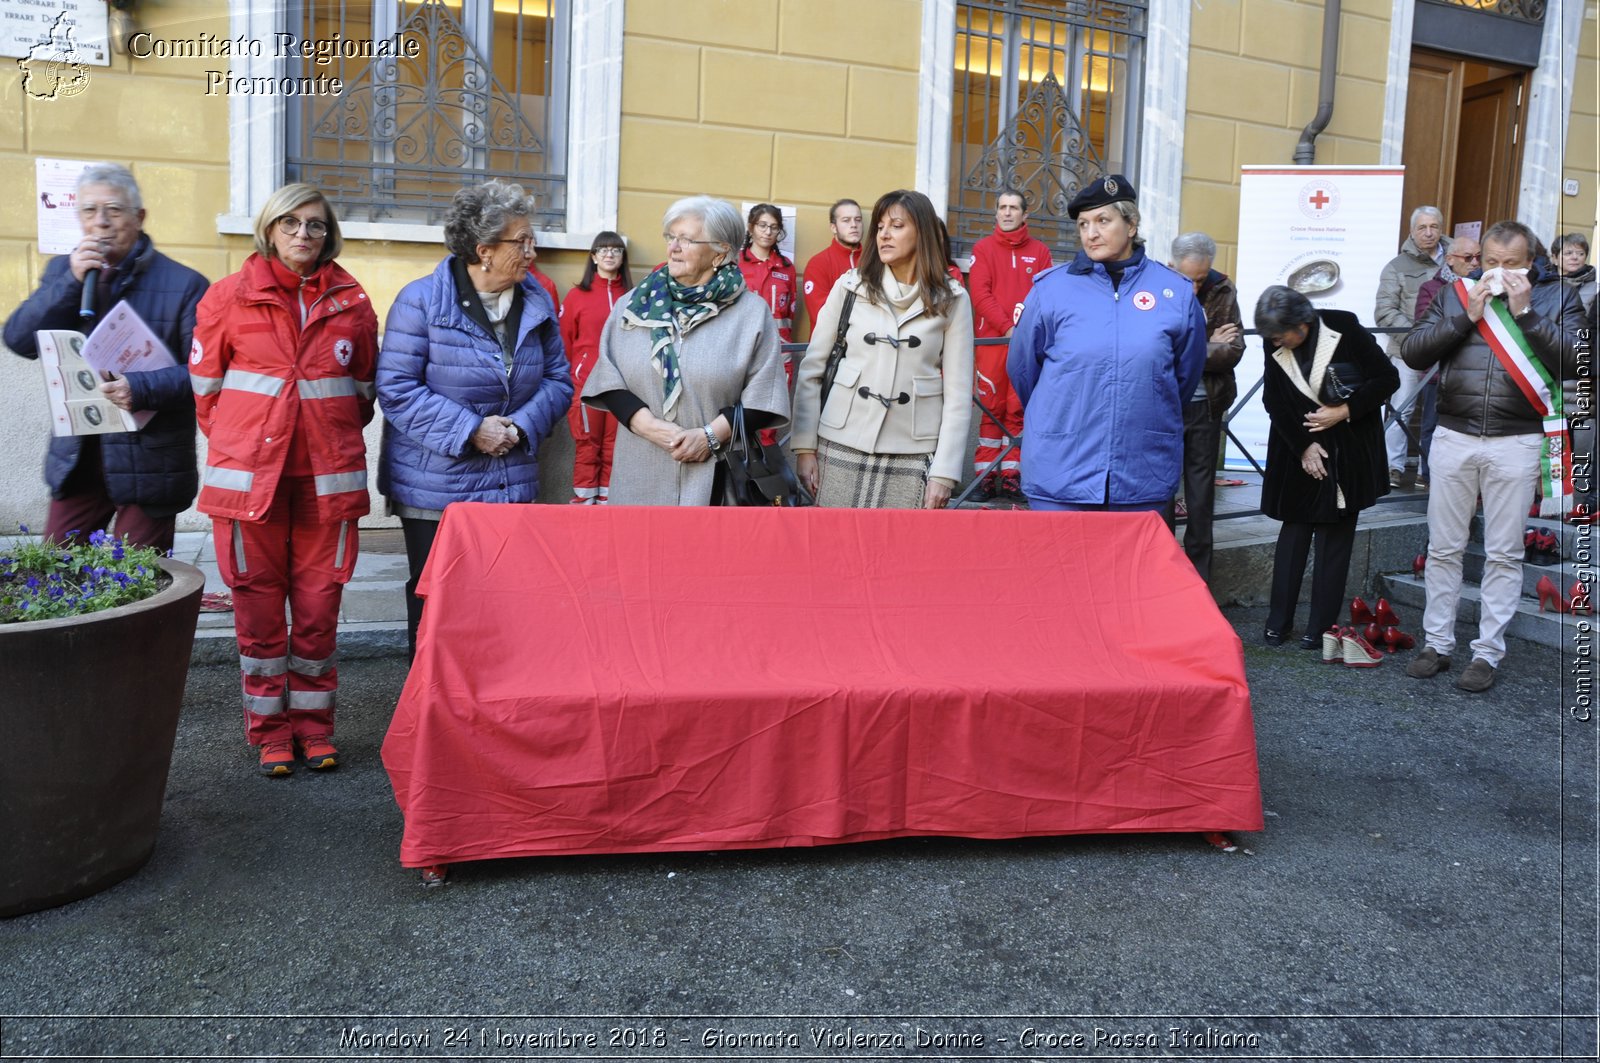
<point>1103,373</point>
<point>440,374</point>
<point>154,467</point>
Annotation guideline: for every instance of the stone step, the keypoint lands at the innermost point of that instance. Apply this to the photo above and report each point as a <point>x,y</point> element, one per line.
<point>1548,629</point>
<point>1578,541</point>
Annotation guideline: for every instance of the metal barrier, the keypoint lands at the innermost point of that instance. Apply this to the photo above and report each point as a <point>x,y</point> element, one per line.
<point>1401,416</point>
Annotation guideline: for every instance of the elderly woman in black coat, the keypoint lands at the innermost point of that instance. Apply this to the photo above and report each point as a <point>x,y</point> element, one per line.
<point>1325,382</point>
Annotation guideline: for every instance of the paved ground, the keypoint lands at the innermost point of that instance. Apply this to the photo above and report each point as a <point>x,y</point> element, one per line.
<point>1428,853</point>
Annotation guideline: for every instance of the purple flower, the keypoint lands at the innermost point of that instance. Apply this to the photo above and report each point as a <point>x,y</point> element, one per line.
<point>117,552</point>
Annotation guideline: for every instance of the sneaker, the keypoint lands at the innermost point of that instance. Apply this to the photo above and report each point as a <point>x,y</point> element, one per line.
<point>1428,664</point>
<point>1421,482</point>
<point>319,753</point>
<point>1395,476</point>
<point>277,758</point>
<point>1476,677</point>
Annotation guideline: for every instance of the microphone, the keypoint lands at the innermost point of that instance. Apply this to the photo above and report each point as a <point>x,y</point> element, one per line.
<point>86,304</point>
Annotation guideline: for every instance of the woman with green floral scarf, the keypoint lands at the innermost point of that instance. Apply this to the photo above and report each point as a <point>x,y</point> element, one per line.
<point>678,353</point>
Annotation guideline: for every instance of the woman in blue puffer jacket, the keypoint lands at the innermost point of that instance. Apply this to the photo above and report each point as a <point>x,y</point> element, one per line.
<point>471,376</point>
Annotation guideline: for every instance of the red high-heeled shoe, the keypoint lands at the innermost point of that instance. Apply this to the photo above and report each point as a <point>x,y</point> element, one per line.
<point>1333,645</point>
<point>1546,589</point>
<point>1580,514</point>
<point>1373,632</point>
<point>1358,652</point>
<point>1396,639</point>
<point>1547,547</point>
<point>1360,613</point>
<point>1578,600</point>
<point>1384,615</point>
<point>1530,544</point>
<point>1419,564</point>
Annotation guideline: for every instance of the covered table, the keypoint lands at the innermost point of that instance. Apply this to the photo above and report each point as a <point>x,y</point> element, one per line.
<point>612,679</point>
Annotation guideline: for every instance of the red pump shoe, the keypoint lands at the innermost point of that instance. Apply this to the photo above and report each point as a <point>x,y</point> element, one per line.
<point>1360,613</point>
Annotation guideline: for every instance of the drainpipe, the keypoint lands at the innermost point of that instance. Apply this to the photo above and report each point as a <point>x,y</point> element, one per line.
<point>1305,152</point>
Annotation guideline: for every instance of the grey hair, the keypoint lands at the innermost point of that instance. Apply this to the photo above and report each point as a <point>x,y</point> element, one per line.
<point>1280,309</point>
<point>1420,211</point>
<point>721,222</point>
<point>478,214</point>
<point>118,177</point>
<point>1130,214</point>
<point>1502,233</point>
<point>1194,245</point>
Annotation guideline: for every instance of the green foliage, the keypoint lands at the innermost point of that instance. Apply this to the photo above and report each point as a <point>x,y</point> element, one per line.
<point>41,580</point>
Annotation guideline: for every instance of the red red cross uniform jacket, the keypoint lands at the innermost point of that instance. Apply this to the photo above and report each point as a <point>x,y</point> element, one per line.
<point>1003,267</point>
<point>824,270</point>
<point>594,431</point>
<point>774,281</point>
<point>283,383</point>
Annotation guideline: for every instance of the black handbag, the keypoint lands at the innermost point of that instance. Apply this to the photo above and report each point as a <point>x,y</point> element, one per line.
<point>836,355</point>
<point>1339,382</point>
<point>757,473</point>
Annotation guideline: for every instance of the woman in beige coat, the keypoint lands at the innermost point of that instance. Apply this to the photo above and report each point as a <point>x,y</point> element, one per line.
<point>892,432</point>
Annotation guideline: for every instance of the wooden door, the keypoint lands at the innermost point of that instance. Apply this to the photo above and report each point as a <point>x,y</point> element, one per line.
<point>1488,151</point>
<point>1462,150</point>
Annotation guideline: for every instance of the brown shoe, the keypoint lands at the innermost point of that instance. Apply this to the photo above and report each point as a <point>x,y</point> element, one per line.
<point>1476,677</point>
<point>1428,664</point>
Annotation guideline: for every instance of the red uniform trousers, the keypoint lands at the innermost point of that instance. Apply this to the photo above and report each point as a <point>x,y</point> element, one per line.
<point>86,506</point>
<point>290,672</point>
<point>992,387</point>
<point>594,436</point>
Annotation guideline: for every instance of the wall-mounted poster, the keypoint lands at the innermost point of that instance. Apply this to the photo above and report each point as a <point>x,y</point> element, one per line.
<point>56,188</point>
<point>54,35</point>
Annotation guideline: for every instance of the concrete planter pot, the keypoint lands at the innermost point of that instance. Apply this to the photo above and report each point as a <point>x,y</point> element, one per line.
<point>88,714</point>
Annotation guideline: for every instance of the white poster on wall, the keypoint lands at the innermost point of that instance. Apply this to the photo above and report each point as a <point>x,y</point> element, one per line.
<point>56,185</point>
<point>1326,231</point>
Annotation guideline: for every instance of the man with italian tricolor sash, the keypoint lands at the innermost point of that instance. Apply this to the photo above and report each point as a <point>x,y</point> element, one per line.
<point>1504,339</point>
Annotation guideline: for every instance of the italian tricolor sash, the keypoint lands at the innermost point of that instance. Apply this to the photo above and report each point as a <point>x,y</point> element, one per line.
<point>1504,336</point>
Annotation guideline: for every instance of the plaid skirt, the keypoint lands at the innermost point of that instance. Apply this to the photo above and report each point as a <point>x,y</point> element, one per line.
<point>850,479</point>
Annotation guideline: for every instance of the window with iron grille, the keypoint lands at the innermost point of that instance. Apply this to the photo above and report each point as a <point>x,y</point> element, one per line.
<point>482,94</point>
<point>1047,96</point>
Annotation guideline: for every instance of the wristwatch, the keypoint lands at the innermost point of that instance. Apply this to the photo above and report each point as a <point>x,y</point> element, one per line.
<point>1524,311</point>
<point>711,439</point>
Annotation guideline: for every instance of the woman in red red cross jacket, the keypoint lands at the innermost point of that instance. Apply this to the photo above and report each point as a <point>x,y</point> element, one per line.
<point>583,317</point>
<point>282,368</point>
<point>766,270</point>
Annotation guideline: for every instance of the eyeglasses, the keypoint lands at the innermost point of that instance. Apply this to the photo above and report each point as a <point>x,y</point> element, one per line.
<point>524,244</point>
<point>291,225</point>
<point>767,227</point>
<point>109,211</point>
<point>608,251</point>
<point>1465,257</point>
<point>684,241</point>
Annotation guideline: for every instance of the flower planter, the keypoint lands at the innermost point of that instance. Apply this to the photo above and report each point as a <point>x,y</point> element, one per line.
<point>88,714</point>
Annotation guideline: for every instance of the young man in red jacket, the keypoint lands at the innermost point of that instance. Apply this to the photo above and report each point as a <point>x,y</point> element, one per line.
<point>838,258</point>
<point>1003,268</point>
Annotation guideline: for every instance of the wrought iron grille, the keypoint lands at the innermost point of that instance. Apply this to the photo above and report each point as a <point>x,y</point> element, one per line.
<point>1521,10</point>
<point>1047,97</point>
<point>482,93</point>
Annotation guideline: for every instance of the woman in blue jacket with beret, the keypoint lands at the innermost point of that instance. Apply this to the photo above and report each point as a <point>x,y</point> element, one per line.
<point>1108,349</point>
<point>471,376</point>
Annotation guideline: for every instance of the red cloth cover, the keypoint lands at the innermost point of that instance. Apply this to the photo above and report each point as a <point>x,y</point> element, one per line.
<point>620,679</point>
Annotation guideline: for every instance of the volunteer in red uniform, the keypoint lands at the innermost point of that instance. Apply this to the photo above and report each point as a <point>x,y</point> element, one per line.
<point>834,261</point>
<point>282,368</point>
<point>765,269</point>
<point>1003,267</point>
<point>544,280</point>
<point>583,317</point>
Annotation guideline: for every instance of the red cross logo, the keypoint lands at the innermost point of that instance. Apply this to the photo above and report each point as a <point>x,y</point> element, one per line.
<point>1320,199</point>
<point>1144,301</point>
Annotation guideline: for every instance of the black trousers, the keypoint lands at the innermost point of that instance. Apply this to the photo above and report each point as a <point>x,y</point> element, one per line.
<point>1200,435</point>
<point>419,542</point>
<point>1334,543</point>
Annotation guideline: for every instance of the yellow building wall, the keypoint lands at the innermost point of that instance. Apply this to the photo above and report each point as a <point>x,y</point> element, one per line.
<point>1581,213</point>
<point>797,102</point>
<point>1253,80</point>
